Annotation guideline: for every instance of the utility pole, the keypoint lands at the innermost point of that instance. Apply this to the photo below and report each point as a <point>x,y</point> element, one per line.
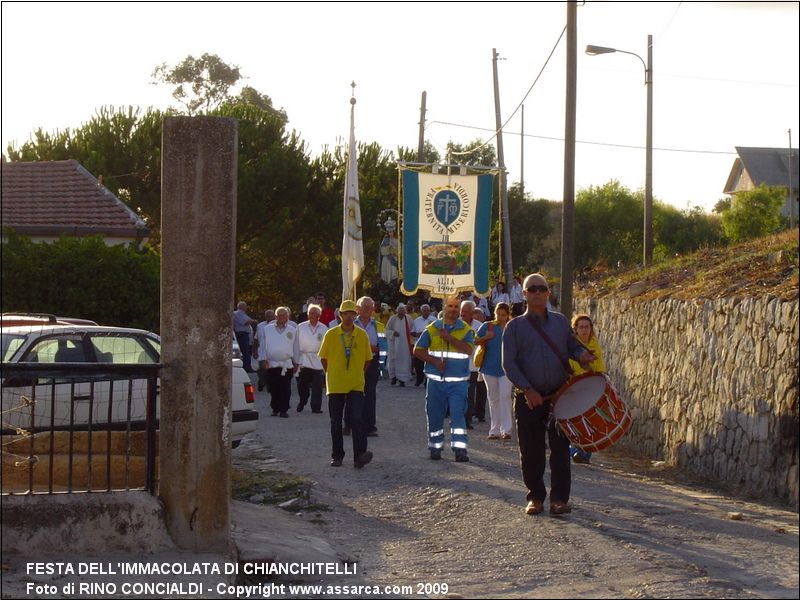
<point>648,169</point>
<point>421,146</point>
<point>568,221</point>
<point>522,155</point>
<point>508,271</point>
<point>791,190</point>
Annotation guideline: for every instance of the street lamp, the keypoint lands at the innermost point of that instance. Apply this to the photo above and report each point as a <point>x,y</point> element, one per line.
<point>648,178</point>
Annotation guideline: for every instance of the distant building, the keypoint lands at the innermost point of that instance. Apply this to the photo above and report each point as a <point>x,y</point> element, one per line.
<point>45,200</point>
<point>768,166</point>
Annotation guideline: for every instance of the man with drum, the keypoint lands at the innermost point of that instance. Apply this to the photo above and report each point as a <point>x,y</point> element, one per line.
<point>536,349</point>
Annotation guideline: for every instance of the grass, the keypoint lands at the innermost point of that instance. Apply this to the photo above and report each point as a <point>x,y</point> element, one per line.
<point>764,266</point>
<point>276,487</point>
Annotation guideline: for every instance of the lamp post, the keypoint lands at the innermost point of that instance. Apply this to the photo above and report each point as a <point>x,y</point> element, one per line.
<point>648,177</point>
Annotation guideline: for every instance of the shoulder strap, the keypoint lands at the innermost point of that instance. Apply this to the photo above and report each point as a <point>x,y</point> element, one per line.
<point>535,324</point>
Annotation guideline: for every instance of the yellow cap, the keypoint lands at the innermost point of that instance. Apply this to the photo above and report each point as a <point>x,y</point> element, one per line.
<point>348,306</point>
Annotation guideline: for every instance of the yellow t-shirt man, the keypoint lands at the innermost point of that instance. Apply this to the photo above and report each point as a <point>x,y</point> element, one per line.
<point>343,376</point>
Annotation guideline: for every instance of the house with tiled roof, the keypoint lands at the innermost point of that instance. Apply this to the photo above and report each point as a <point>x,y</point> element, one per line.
<point>774,167</point>
<point>45,200</point>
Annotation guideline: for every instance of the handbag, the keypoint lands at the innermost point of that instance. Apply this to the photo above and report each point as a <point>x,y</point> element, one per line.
<point>480,353</point>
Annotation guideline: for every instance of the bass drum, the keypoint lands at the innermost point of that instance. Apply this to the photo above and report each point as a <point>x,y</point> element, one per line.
<point>589,412</point>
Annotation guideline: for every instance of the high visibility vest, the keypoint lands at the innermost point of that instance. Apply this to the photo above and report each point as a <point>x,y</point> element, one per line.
<point>383,344</point>
<point>456,363</point>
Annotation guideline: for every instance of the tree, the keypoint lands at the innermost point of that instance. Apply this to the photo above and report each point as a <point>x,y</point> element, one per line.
<point>683,231</point>
<point>535,233</point>
<point>475,153</point>
<point>430,155</point>
<point>608,225</point>
<point>251,96</point>
<point>201,83</point>
<point>753,213</point>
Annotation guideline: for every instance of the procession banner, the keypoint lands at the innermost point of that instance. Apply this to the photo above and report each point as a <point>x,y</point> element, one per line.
<point>352,245</point>
<point>445,237</point>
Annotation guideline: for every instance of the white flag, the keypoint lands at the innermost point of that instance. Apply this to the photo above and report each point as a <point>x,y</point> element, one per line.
<point>352,246</point>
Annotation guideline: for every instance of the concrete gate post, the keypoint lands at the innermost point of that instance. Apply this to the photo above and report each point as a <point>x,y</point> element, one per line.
<point>198,235</point>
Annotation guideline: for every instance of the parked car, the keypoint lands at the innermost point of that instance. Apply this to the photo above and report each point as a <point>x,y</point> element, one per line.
<point>67,343</point>
<point>12,319</point>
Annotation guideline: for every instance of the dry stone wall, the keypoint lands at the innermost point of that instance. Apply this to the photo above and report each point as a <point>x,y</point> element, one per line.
<point>712,385</point>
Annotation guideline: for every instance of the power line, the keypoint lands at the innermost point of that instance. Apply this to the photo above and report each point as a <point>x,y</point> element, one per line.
<point>587,142</point>
<point>530,89</point>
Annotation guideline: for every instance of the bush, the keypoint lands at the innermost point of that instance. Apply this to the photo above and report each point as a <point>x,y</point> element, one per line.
<point>752,214</point>
<point>82,277</point>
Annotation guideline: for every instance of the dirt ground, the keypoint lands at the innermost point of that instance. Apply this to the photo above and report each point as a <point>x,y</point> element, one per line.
<point>637,530</point>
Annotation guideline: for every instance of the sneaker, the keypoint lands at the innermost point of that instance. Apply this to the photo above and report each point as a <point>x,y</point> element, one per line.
<point>436,454</point>
<point>505,436</point>
<point>362,459</point>
<point>492,436</point>
<point>284,415</point>
<point>461,456</point>
<point>336,462</point>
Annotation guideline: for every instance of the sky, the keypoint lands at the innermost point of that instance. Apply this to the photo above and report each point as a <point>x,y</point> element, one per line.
<point>725,74</point>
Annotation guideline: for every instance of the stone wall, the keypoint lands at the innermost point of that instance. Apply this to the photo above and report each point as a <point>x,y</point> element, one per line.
<point>712,385</point>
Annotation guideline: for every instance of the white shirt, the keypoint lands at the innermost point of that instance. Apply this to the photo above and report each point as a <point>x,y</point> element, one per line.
<point>420,323</point>
<point>516,294</point>
<point>276,345</point>
<point>307,343</point>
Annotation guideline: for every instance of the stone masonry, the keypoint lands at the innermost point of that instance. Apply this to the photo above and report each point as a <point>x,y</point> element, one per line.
<point>712,385</point>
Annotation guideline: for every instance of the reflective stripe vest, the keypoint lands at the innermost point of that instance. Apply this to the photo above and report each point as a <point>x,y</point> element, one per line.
<point>456,366</point>
<point>383,344</point>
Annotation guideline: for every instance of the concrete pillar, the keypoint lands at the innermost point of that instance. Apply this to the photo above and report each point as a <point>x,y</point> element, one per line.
<point>198,235</point>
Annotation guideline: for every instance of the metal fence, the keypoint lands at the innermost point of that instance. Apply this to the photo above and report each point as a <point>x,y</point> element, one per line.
<point>78,427</point>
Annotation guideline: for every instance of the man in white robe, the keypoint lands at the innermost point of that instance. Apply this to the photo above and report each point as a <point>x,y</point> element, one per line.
<point>401,346</point>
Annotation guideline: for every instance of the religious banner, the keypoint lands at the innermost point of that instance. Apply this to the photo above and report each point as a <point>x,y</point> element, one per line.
<point>352,245</point>
<point>445,237</point>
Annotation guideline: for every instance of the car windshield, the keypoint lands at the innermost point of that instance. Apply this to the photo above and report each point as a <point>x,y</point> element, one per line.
<point>11,343</point>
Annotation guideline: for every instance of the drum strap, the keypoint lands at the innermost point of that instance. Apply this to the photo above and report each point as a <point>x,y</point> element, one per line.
<point>535,324</point>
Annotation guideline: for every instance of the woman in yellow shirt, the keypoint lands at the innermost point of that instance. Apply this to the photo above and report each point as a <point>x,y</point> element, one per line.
<point>584,328</point>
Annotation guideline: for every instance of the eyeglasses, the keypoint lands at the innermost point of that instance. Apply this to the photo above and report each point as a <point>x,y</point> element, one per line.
<point>538,288</point>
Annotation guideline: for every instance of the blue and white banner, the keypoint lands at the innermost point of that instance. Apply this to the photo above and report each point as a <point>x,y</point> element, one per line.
<point>445,237</point>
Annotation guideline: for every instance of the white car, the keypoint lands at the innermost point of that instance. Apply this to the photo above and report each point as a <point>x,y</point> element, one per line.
<point>64,343</point>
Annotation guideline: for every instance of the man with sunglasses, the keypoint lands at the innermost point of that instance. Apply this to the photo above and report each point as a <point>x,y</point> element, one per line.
<point>536,346</point>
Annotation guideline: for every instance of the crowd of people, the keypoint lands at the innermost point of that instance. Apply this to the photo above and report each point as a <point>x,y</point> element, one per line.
<point>526,353</point>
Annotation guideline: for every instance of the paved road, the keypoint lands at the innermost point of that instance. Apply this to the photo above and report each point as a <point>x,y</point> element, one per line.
<point>636,530</point>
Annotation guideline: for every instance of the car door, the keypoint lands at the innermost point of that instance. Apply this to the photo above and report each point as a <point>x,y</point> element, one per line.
<point>60,401</point>
<point>127,396</point>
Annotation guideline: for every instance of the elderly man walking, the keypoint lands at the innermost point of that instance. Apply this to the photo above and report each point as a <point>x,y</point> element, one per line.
<point>376,333</point>
<point>445,347</point>
<point>536,347</point>
<point>345,355</point>
<point>276,353</point>
<point>243,330</point>
<point>398,334</point>
<point>307,343</point>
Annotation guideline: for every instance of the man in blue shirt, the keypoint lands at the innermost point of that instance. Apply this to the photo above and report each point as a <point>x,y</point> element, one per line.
<point>243,330</point>
<point>537,369</point>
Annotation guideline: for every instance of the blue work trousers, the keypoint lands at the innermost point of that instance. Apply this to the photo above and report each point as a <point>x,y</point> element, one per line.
<point>441,395</point>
